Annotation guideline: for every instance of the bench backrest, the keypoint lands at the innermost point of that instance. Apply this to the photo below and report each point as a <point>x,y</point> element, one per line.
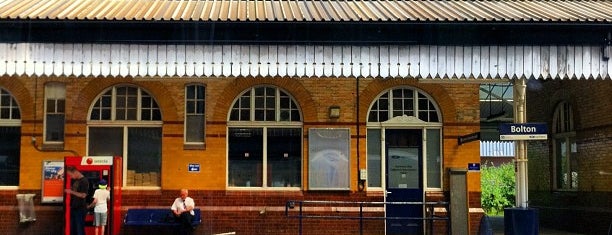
<point>155,215</point>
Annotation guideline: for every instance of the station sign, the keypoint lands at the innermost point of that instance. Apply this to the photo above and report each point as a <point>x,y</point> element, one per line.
<point>193,167</point>
<point>523,131</point>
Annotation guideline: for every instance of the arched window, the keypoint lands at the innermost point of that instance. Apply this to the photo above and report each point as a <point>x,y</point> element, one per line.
<point>10,139</point>
<point>264,140</point>
<point>565,149</point>
<point>126,121</point>
<point>404,116</point>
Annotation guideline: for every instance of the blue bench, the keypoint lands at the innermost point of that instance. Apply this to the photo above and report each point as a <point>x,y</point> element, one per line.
<point>156,217</point>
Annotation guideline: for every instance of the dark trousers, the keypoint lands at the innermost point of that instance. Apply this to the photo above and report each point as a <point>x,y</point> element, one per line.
<point>77,221</point>
<point>185,219</point>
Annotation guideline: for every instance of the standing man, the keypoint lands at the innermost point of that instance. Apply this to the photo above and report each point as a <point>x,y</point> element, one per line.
<point>78,205</point>
<point>183,211</point>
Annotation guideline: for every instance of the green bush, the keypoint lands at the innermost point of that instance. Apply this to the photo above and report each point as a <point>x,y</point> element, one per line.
<point>498,187</point>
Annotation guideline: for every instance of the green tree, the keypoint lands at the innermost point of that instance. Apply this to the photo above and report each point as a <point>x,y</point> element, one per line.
<point>498,187</point>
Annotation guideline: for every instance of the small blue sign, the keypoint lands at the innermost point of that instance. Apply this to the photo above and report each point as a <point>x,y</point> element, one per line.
<point>194,167</point>
<point>473,166</point>
<point>523,131</point>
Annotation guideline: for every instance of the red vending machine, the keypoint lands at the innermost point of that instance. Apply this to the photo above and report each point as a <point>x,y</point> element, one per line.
<point>96,168</point>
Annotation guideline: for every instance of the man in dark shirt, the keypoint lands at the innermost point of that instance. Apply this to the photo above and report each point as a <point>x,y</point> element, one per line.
<point>78,205</point>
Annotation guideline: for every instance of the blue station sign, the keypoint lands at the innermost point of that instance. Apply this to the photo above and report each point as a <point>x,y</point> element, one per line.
<point>523,131</point>
<point>194,167</point>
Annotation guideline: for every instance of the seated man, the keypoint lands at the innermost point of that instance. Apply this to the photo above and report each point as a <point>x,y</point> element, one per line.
<point>183,211</point>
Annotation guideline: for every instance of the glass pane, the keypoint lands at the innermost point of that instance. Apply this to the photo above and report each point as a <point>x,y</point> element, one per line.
<point>270,115</point>
<point>132,102</point>
<point>561,163</point>
<point>10,138</point>
<point>199,107</point>
<point>54,127</point>
<point>195,128</point>
<point>5,113</point>
<point>234,115</point>
<point>245,115</point>
<point>403,167</point>
<point>146,101</point>
<point>200,92</point>
<point>146,114</point>
<point>60,106</point>
<point>131,114</point>
<point>50,106</point>
<point>573,164</point>
<point>295,116</point>
<point>105,141</point>
<point>156,115</point>
<point>284,147</point>
<point>374,158</point>
<point>15,114</point>
<point>95,114</point>
<point>106,114</point>
<point>433,159</point>
<point>245,157</point>
<point>190,107</point>
<point>190,92</point>
<point>144,155</point>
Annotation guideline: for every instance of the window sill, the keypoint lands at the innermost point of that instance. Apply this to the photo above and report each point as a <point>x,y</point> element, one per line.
<point>198,146</point>
<point>52,146</point>
<point>265,192</point>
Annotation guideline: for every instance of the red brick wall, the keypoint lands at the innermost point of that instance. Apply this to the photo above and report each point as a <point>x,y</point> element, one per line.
<point>592,111</point>
<point>458,103</point>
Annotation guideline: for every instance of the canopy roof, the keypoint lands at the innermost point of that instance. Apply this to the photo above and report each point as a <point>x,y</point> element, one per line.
<point>308,10</point>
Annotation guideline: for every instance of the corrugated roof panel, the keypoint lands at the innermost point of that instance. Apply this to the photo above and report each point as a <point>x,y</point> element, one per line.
<point>207,10</point>
<point>189,8</point>
<point>476,12</point>
<point>337,11</point>
<point>78,7</point>
<point>269,10</point>
<point>223,11</point>
<point>232,11</point>
<point>18,8</point>
<point>9,7</point>
<point>55,9</point>
<point>139,10</point>
<point>295,10</point>
<point>196,15</point>
<point>413,14</point>
<point>322,10</point>
<point>303,11</point>
<point>373,6</point>
<point>285,11</point>
<point>278,10</point>
<point>150,13</point>
<point>25,14</point>
<point>392,12</point>
<point>179,11</point>
<point>309,10</point>
<point>350,14</point>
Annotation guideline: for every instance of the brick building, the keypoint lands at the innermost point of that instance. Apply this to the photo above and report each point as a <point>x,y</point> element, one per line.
<point>381,87</point>
<point>570,173</point>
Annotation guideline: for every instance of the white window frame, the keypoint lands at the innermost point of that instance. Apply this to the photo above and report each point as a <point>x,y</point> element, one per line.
<point>408,122</point>
<point>124,124</point>
<point>10,122</point>
<point>563,129</point>
<point>57,95</point>
<point>186,126</point>
<point>264,125</point>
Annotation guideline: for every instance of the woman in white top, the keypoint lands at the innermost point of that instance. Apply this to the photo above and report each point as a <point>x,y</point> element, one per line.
<point>100,198</point>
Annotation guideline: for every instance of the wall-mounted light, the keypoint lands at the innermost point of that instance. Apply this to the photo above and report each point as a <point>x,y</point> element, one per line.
<point>334,111</point>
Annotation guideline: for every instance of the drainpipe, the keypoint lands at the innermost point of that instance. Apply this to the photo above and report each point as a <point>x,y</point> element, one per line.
<point>520,116</point>
<point>360,183</point>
